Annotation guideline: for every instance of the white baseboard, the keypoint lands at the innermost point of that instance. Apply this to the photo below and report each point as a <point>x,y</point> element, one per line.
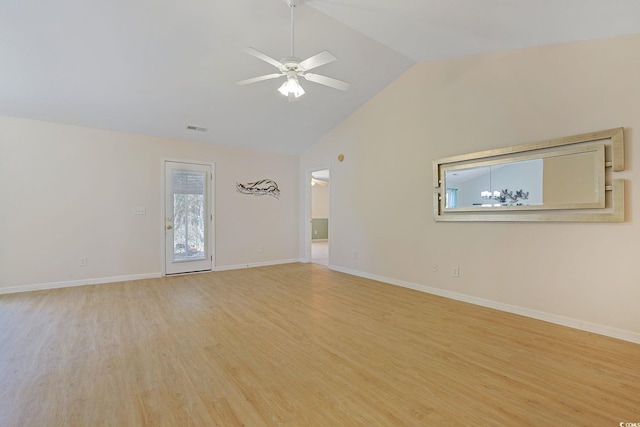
<point>535,314</point>
<point>72,283</point>
<point>254,264</point>
<point>101,280</point>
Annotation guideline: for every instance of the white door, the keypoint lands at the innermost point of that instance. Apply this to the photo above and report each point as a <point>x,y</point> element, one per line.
<point>188,217</point>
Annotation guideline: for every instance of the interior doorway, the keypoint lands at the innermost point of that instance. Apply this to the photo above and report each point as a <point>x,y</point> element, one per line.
<point>320,183</point>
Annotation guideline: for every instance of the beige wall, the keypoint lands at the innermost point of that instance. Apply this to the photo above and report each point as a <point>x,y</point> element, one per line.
<point>68,192</point>
<point>381,203</point>
<point>320,201</point>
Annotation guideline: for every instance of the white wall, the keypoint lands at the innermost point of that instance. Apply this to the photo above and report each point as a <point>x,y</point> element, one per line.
<point>68,192</point>
<point>381,205</point>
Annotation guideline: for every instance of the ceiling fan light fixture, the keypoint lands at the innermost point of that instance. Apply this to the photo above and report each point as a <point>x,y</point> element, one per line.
<point>291,86</point>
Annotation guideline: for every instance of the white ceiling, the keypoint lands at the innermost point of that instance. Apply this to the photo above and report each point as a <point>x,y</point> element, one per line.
<point>322,175</point>
<point>157,66</point>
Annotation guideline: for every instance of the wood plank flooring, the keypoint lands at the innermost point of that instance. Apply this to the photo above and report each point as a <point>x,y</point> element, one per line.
<point>298,345</point>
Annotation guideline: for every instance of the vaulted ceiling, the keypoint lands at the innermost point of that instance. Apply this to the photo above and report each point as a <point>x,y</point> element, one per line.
<point>157,67</point>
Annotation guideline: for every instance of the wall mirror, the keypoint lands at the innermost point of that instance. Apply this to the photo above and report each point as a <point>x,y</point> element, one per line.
<point>563,179</point>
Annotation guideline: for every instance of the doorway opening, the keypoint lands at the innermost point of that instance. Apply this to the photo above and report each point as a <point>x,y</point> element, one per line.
<point>320,184</point>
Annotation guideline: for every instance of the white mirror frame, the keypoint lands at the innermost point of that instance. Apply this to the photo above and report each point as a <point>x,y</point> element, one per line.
<point>613,140</point>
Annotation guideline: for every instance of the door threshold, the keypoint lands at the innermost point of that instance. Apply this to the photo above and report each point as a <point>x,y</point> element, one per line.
<point>188,272</point>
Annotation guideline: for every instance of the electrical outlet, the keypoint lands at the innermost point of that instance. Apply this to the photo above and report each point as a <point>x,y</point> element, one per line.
<point>455,272</point>
<point>434,268</point>
<point>83,261</point>
<point>139,211</point>
<point>261,249</point>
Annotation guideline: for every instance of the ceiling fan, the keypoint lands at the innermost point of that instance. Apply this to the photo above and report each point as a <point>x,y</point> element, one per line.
<point>292,67</point>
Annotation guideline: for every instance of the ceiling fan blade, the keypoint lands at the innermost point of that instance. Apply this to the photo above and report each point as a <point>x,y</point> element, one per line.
<point>327,81</point>
<point>265,58</point>
<point>322,58</point>
<point>259,79</point>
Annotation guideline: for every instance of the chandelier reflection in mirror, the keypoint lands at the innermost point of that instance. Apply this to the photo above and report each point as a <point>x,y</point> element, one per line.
<point>506,197</point>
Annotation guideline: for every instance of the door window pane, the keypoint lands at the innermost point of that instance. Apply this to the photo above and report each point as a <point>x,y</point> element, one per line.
<point>189,212</point>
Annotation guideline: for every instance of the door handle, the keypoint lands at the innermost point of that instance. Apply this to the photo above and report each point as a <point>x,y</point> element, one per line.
<point>169,227</point>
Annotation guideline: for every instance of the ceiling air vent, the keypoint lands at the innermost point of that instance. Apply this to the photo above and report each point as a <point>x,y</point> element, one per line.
<point>197,128</point>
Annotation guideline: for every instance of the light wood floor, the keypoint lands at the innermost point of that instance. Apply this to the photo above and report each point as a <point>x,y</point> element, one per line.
<point>298,345</point>
<point>320,252</point>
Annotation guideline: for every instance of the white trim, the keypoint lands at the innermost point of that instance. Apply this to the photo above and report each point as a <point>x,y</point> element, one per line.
<point>522,311</point>
<point>256,264</point>
<point>72,283</point>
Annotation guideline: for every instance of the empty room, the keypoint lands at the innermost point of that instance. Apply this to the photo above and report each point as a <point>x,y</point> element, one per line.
<point>479,236</point>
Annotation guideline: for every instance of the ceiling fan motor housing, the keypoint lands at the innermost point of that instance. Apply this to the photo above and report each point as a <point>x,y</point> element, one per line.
<point>291,63</point>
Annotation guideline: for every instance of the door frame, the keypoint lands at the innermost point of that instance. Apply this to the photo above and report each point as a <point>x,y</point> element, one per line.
<point>163,193</point>
<point>307,212</point>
